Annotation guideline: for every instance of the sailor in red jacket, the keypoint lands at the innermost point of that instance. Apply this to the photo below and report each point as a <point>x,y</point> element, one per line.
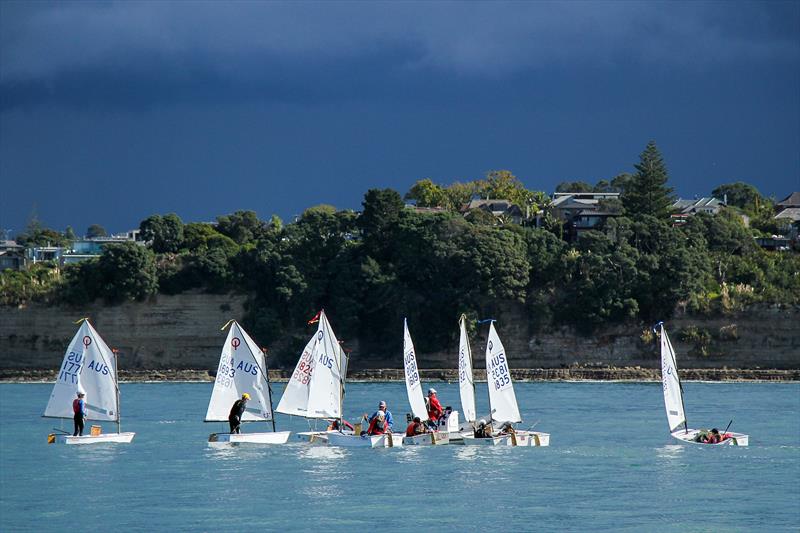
<point>435,410</point>
<point>378,426</point>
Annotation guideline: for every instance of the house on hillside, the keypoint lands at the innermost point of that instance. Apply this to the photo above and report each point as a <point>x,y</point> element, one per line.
<point>503,210</point>
<point>581,211</point>
<point>791,201</point>
<point>12,256</point>
<point>682,209</point>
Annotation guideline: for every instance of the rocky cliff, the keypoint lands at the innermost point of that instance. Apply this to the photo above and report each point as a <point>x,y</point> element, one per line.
<point>183,332</point>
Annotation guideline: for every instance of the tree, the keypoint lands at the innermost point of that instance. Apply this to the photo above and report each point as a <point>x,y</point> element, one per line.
<point>382,209</point>
<point>428,194</point>
<point>647,194</point>
<point>96,230</point>
<point>738,194</point>
<point>69,233</point>
<point>165,234</point>
<point>573,186</point>
<point>242,226</point>
<point>126,271</point>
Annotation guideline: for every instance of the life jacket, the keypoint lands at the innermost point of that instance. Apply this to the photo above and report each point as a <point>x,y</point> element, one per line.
<point>377,427</point>
<point>410,430</point>
<point>76,406</point>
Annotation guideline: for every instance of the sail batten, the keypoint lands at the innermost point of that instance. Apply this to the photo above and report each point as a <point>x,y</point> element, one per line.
<point>466,383</point>
<point>241,369</point>
<point>89,366</point>
<point>502,400</point>
<point>411,370</point>
<point>671,383</point>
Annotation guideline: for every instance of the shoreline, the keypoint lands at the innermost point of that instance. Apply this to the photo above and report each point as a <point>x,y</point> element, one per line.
<point>610,374</point>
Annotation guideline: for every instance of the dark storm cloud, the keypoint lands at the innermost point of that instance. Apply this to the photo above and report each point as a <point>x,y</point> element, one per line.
<point>146,53</point>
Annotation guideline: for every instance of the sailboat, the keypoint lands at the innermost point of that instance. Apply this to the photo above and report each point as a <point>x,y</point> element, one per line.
<point>466,383</point>
<point>503,401</point>
<point>673,400</point>
<point>316,388</point>
<point>415,397</point>
<point>89,366</point>
<point>242,369</point>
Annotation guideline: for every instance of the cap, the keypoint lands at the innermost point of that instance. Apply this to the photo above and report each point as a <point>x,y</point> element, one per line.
<point>431,391</point>
<point>81,393</point>
<point>382,404</point>
<point>245,396</point>
<point>481,422</point>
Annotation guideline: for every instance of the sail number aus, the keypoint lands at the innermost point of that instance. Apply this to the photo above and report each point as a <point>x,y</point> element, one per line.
<point>498,371</point>
<point>412,373</point>
<point>302,374</point>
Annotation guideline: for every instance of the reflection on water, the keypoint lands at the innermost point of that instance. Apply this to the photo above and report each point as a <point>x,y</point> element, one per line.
<point>467,453</point>
<point>322,453</point>
<point>670,451</point>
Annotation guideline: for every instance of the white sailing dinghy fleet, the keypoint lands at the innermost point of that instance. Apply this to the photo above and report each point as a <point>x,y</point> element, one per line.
<point>242,369</point>
<point>673,402</point>
<point>90,367</point>
<point>503,401</point>
<point>316,391</point>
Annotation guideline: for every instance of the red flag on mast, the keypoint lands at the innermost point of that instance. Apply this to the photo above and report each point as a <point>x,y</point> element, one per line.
<point>315,319</point>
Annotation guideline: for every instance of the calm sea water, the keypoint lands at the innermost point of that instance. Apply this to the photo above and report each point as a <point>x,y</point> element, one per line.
<point>611,466</point>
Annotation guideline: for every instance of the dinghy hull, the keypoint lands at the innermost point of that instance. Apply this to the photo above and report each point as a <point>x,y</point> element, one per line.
<point>271,437</point>
<point>521,438</point>
<point>392,440</point>
<point>737,439</point>
<point>103,438</point>
<point>437,438</point>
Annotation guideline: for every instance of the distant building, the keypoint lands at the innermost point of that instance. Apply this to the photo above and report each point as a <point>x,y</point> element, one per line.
<point>683,209</point>
<point>581,211</point>
<point>39,254</point>
<point>793,200</point>
<point>501,209</point>
<point>12,256</point>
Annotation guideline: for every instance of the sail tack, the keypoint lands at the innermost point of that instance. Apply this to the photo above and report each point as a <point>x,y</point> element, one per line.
<point>466,385</point>
<point>413,384</point>
<point>315,388</point>
<point>673,395</point>
<point>502,399</point>
<point>88,366</point>
<point>241,370</point>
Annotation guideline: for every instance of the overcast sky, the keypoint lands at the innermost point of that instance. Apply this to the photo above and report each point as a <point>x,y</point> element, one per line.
<point>112,111</point>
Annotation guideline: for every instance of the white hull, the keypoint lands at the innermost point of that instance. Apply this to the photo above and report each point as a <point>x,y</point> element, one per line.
<point>436,438</point>
<point>312,437</point>
<point>390,440</point>
<point>523,438</point>
<point>271,437</point>
<point>737,439</point>
<point>103,438</point>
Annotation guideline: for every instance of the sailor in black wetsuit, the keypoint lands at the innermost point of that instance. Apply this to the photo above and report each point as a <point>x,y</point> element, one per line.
<point>235,416</point>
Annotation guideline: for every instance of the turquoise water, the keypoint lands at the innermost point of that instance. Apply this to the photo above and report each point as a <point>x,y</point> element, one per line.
<point>611,466</point>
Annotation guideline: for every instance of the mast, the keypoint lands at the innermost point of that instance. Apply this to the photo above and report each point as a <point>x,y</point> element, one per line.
<point>269,387</point>
<point>116,388</point>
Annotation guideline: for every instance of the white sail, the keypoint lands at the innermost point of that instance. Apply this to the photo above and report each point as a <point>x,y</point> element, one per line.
<point>673,396</point>
<point>466,385</point>
<point>241,370</point>
<point>502,400</point>
<point>295,397</point>
<point>325,387</point>
<point>413,384</point>
<point>89,366</point>
<point>315,388</point>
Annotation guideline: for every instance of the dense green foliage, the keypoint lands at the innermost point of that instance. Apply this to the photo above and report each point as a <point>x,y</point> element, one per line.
<point>370,270</point>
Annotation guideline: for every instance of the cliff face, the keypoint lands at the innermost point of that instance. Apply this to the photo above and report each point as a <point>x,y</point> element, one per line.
<point>183,332</point>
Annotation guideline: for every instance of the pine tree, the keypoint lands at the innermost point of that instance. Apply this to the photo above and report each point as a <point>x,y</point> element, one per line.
<point>646,193</point>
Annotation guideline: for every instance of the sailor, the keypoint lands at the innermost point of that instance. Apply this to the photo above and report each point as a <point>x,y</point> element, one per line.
<point>79,414</point>
<point>484,430</point>
<point>235,416</point>
<point>435,410</point>
<point>387,414</point>
<point>714,437</point>
<point>378,425</point>
<point>507,429</point>
<point>416,427</point>
<point>335,426</point>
